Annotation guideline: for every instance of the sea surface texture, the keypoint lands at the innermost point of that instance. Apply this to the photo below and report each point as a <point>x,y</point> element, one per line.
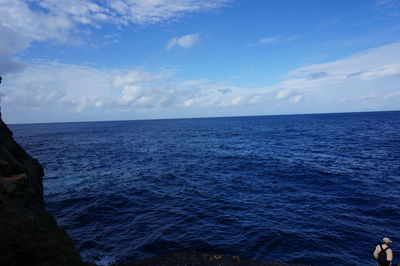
<point>318,189</point>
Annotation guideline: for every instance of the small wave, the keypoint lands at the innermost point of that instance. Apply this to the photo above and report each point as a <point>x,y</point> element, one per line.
<point>290,187</point>
<point>105,260</point>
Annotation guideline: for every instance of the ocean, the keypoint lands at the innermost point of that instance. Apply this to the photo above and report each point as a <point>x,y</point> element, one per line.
<point>321,189</point>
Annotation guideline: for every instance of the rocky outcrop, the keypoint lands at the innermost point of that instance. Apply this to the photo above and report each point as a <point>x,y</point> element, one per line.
<point>28,233</point>
<point>185,258</point>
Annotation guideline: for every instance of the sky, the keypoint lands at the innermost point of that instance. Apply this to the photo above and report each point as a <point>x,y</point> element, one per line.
<point>97,60</point>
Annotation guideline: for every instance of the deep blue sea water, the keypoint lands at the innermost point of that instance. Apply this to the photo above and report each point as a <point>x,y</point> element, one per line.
<point>320,189</point>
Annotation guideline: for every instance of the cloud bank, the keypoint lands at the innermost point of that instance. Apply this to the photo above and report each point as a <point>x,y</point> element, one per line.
<point>369,78</point>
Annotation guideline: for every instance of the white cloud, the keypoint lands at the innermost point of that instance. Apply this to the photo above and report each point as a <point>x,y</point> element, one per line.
<point>73,88</point>
<point>359,82</point>
<point>186,41</point>
<point>364,80</point>
<point>290,95</point>
<point>18,16</point>
<point>273,40</point>
<point>11,43</point>
<point>135,76</point>
<point>65,13</point>
<point>358,97</point>
<point>284,94</point>
<point>269,40</point>
<point>373,63</point>
<point>296,99</point>
<point>151,11</point>
<point>25,21</point>
<point>49,85</point>
<point>391,95</point>
<point>385,2</point>
<point>44,19</point>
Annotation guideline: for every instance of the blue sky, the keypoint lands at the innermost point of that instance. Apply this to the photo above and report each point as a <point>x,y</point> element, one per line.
<point>84,60</point>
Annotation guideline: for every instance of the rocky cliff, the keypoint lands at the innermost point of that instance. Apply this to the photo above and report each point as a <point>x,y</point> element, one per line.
<point>28,233</point>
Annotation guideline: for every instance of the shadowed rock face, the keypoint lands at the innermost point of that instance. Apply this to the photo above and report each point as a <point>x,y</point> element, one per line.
<point>28,234</point>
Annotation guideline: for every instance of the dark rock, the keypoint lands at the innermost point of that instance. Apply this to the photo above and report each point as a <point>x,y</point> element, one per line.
<point>12,185</point>
<point>193,258</point>
<point>5,168</point>
<point>28,233</point>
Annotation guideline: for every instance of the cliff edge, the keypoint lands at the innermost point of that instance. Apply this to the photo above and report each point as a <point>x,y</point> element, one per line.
<point>29,235</point>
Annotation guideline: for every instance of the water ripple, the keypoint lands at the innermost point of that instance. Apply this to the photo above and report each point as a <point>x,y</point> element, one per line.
<point>292,188</point>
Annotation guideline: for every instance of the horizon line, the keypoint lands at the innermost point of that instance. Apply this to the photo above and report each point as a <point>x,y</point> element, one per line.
<point>205,117</point>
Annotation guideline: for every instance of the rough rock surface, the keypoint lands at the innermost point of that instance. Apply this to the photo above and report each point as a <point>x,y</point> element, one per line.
<point>28,233</point>
<point>193,258</point>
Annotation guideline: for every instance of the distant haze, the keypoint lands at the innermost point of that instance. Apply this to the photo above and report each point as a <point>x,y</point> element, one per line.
<point>84,60</point>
